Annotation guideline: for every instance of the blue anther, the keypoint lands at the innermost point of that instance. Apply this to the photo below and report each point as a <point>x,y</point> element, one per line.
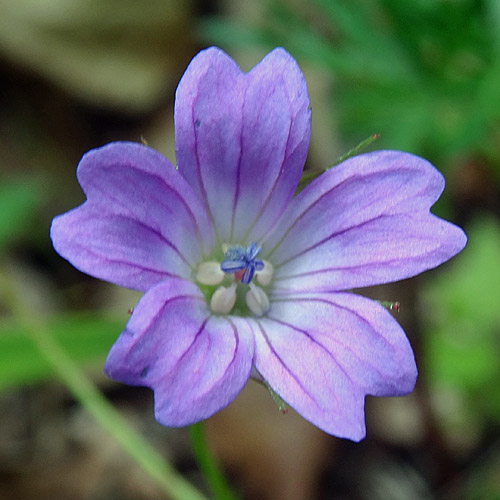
<point>239,258</point>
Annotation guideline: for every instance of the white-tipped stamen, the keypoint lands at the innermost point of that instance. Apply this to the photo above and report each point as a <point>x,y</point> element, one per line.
<point>225,247</point>
<point>223,299</point>
<point>209,273</point>
<point>257,300</point>
<point>265,276</point>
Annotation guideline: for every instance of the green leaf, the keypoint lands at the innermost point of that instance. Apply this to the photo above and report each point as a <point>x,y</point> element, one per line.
<point>85,337</point>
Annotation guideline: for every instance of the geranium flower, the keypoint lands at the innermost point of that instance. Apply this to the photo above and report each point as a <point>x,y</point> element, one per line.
<point>242,277</point>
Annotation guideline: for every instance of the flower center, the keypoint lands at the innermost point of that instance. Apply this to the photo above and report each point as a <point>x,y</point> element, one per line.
<point>239,265</point>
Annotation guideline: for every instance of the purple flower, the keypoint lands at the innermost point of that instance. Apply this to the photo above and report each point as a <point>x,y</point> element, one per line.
<point>241,277</point>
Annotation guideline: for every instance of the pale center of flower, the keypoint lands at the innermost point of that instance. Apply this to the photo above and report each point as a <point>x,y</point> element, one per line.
<point>239,266</point>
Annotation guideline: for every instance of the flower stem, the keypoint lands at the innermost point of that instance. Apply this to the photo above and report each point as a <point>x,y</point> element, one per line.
<point>82,388</point>
<point>208,465</point>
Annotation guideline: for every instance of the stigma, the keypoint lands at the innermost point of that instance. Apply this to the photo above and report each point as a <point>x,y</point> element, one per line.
<point>242,262</point>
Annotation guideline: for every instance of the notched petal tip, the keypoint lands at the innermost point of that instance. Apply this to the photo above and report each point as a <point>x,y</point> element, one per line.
<point>323,353</point>
<point>228,122</point>
<point>195,362</point>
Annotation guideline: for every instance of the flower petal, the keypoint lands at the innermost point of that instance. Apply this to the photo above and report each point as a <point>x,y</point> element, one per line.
<point>141,221</point>
<point>362,223</point>
<point>322,353</point>
<point>242,139</point>
<point>195,362</point>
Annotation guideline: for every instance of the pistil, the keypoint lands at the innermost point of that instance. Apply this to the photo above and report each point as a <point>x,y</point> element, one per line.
<point>238,258</point>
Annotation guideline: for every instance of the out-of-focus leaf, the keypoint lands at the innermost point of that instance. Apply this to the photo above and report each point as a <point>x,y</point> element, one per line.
<point>18,201</point>
<point>84,337</point>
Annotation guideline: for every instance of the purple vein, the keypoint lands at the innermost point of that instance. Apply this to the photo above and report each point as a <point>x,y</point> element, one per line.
<point>320,345</point>
<point>198,172</point>
<point>285,366</point>
<point>334,339</point>
<point>286,156</point>
<point>315,201</point>
<point>238,169</point>
<point>329,237</point>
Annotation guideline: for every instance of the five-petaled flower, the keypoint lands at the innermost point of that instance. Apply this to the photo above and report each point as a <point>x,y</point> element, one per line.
<point>242,278</point>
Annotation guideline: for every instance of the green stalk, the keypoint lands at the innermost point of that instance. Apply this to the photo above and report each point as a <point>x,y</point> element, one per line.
<point>208,464</point>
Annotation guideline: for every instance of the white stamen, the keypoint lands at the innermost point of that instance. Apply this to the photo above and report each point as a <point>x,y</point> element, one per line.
<point>257,300</point>
<point>209,273</point>
<point>225,247</point>
<point>265,276</point>
<point>223,299</point>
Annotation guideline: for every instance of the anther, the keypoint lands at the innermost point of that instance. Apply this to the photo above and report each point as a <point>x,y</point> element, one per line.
<point>257,300</point>
<point>223,299</point>
<point>209,273</point>
<point>265,276</point>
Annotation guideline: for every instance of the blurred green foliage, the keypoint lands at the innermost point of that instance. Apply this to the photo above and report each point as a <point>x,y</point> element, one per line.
<point>462,342</point>
<point>424,74</point>
<point>84,337</point>
<point>18,201</point>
